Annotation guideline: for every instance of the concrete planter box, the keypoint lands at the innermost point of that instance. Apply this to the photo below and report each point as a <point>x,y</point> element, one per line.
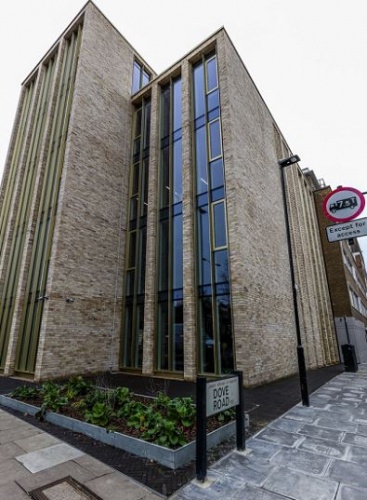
<point>170,458</point>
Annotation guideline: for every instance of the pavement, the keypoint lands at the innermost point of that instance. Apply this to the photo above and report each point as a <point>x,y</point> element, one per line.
<point>306,453</point>
<point>309,453</point>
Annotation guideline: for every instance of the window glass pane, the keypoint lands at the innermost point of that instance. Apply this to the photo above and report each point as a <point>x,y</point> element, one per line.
<point>165,112</point>
<point>211,67</point>
<point>213,100</point>
<point>225,332</point>
<point>199,91</point>
<point>214,139</point>
<point>146,125</point>
<point>163,336</point>
<point>134,206</point>
<point>201,160</point>
<point>204,246</point>
<point>135,182</point>
<point>142,258</point>
<point>130,276</point>
<point>136,77</point>
<point>138,115</point>
<point>177,171</point>
<point>217,174</point>
<point>177,105</point>
<point>221,266</point>
<point>164,255</point>
<point>219,222</point>
<point>145,78</point>
<point>164,171</point>
<point>177,264</point>
<point>178,340</point>
<point>206,335</point>
<point>132,249</point>
<point>145,177</point>
<point>128,328</point>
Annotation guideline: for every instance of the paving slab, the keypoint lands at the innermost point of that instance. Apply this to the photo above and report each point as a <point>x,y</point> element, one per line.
<point>38,460</point>
<point>350,493</point>
<point>300,486</point>
<point>310,463</point>
<point>322,433</point>
<point>116,486</point>
<point>12,491</point>
<point>348,473</point>
<point>36,442</point>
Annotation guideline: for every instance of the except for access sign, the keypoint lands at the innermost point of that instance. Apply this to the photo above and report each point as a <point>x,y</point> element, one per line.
<point>347,230</point>
<point>343,204</point>
<point>221,395</point>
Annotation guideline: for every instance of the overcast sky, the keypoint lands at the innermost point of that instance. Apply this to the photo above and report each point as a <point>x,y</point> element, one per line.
<point>307,58</point>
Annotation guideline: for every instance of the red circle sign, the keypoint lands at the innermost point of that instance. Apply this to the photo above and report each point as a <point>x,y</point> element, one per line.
<point>343,204</point>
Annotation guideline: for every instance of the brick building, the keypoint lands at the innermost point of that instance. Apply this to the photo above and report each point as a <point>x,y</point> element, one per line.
<point>347,279</point>
<point>142,225</point>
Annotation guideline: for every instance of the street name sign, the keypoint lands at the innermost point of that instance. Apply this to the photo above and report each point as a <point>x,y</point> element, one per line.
<point>343,204</point>
<point>352,229</point>
<point>221,395</point>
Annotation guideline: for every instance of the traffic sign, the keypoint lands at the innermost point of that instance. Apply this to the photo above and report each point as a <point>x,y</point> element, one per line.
<point>343,204</point>
<point>347,230</point>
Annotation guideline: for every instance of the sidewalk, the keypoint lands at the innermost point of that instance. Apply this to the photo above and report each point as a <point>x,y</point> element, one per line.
<point>315,453</point>
<point>35,463</point>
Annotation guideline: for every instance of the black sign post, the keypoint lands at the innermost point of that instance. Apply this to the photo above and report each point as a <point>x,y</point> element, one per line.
<point>223,391</point>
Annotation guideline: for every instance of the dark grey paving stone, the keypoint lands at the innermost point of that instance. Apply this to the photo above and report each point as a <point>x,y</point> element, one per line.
<point>302,414</point>
<point>286,424</point>
<point>348,473</point>
<point>357,454</point>
<point>279,437</point>
<point>333,422</point>
<point>355,439</point>
<point>303,461</point>
<point>296,485</point>
<point>344,412</point>
<point>321,433</point>
<point>248,470</point>
<point>350,493</point>
<point>323,447</point>
<point>220,487</point>
<point>253,493</point>
<point>362,429</point>
<point>262,449</point>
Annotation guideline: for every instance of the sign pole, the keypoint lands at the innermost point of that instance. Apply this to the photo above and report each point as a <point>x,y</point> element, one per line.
<point>201,458</point>
<point>240,415</point>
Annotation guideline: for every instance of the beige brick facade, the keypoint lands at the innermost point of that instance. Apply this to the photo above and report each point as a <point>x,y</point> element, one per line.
<point>81,320</point>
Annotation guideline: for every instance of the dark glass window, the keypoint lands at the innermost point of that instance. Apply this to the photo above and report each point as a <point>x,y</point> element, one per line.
<point>132,332</point>
<point>170,242</point>
<point>177,171</point>
<point>136,78</point>
<point>219,222</point>
<point>216,173</point>
<point>215,139</point>
<point>212,77</point>
<point>140,77</point>
<point>199,91</point>
<point>201,160</point>
<point>177,265</point>
<point>215,326</point>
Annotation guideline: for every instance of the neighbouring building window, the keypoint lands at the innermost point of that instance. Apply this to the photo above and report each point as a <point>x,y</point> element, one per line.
<point>141,77</point>
<point>133,324</point>
<point>170,244</point>
<point>214,322</point>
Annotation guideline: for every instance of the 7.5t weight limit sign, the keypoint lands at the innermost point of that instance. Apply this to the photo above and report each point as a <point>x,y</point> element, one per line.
<point>343,204</point>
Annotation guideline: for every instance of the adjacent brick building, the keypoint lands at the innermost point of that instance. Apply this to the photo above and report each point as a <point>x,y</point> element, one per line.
<point>142,225</point>
<point>347,279</point>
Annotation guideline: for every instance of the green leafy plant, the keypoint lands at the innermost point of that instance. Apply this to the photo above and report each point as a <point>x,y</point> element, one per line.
<point>100,414</point>
<point>25,392</point>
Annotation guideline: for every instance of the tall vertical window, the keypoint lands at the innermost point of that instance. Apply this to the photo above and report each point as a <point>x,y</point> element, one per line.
<point>170,285</point>
<point>141,77</point>
<point>133,324</point>
<point>214,321</point>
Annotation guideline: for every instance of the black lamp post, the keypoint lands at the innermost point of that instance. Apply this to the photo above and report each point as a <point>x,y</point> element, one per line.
<point>285,162</point>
